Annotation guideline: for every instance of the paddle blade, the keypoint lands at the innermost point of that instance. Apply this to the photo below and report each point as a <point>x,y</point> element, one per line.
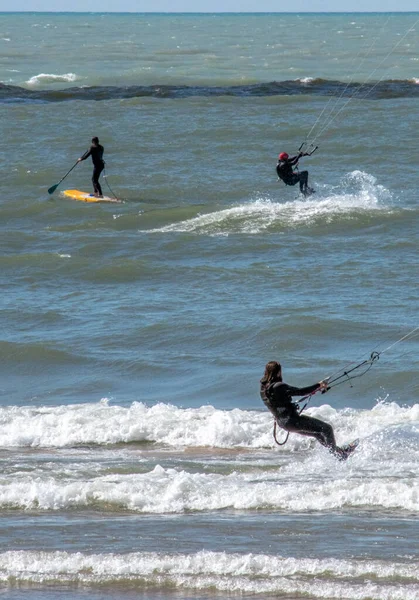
<point>52,188</point>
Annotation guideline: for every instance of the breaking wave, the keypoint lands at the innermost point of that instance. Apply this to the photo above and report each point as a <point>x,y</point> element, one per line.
<point>353,579</point>
<point>45,78</point>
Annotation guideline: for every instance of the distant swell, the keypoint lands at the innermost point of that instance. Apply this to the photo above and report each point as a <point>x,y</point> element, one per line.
<point>319,87</point>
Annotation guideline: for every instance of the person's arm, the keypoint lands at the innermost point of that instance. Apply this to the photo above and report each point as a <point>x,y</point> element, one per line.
<point>305,391</point>
<point>85,155</point>
<point>294,160</point>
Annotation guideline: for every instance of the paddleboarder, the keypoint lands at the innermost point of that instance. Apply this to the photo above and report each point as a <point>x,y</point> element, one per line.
<point>96,151</point>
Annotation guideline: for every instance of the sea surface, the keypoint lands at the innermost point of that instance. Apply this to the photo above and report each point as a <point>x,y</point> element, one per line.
<point>136,458</point>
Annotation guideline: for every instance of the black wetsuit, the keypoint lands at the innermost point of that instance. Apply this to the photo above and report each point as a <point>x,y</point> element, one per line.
<point>285,172</point>
<point>277,396</point>
<point>96,152</point>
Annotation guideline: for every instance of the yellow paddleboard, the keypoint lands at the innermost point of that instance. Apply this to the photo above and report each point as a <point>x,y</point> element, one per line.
<point>85,197</point>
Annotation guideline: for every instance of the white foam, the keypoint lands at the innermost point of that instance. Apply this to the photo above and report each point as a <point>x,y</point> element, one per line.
<point>307,477</point>
<point>44,78</point>
<point>102,423</point>
<point>239,573</point>
<point>358,193</point>
<point>309,486</point>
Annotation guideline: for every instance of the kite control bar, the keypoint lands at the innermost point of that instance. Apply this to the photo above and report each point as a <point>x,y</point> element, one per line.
<point>310,148</point>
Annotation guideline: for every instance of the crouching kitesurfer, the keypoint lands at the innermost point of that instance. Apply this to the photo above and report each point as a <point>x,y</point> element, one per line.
<point>285,172</point>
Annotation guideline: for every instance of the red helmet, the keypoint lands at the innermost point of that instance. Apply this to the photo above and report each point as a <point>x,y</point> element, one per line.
<point>283,156</point>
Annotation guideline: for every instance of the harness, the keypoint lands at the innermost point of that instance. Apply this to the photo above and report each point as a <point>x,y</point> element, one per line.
<point>286,173</point>
<point>266,395</point>
<point>267,400</point>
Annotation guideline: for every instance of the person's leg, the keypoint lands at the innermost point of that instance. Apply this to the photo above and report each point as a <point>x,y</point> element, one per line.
<point>95,180</point>
<point>320,430</point>
<point>292,179</point>
<point>303,175</point>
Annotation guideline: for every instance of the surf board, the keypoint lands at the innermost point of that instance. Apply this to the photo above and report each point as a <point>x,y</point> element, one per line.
<point>349,448</point>
<point>85,197</point>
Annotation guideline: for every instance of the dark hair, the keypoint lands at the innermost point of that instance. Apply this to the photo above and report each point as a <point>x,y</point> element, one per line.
<point>95,140</point>
<point>272,371</point>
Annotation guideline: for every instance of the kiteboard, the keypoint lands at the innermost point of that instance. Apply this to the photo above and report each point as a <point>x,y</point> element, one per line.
<point>349,448</point>
<point>306,194</point>
<point>85,197</point>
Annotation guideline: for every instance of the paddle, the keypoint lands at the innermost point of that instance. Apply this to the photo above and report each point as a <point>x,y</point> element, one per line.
<point>54,187</point>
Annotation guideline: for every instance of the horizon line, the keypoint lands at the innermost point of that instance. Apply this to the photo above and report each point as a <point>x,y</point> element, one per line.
<point>190,12</point>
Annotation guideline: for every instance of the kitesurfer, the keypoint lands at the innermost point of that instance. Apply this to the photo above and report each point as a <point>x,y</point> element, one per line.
<point>96,152</point>
<point>277,396</point>
<point>286,173</point>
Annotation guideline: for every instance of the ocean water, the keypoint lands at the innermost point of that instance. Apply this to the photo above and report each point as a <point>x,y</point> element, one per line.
<point>137,460</point>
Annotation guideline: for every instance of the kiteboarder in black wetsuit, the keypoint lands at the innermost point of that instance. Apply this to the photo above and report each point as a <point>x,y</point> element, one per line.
<point>277,396</point>
<point>96,152</point>
<point>286,173</point>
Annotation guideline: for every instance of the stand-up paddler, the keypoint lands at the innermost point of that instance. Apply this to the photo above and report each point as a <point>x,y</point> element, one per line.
<point>96,151</point>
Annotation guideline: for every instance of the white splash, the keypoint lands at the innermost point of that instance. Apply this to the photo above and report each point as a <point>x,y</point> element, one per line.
<point>357,194</point>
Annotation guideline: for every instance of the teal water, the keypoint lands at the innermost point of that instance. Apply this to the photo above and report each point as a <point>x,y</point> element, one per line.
<point>136,458</point>
<point>214,49</point>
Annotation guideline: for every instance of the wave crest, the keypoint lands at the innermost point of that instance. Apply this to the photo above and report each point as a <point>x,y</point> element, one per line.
<point>221,571</point>
<point>46,78</point>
